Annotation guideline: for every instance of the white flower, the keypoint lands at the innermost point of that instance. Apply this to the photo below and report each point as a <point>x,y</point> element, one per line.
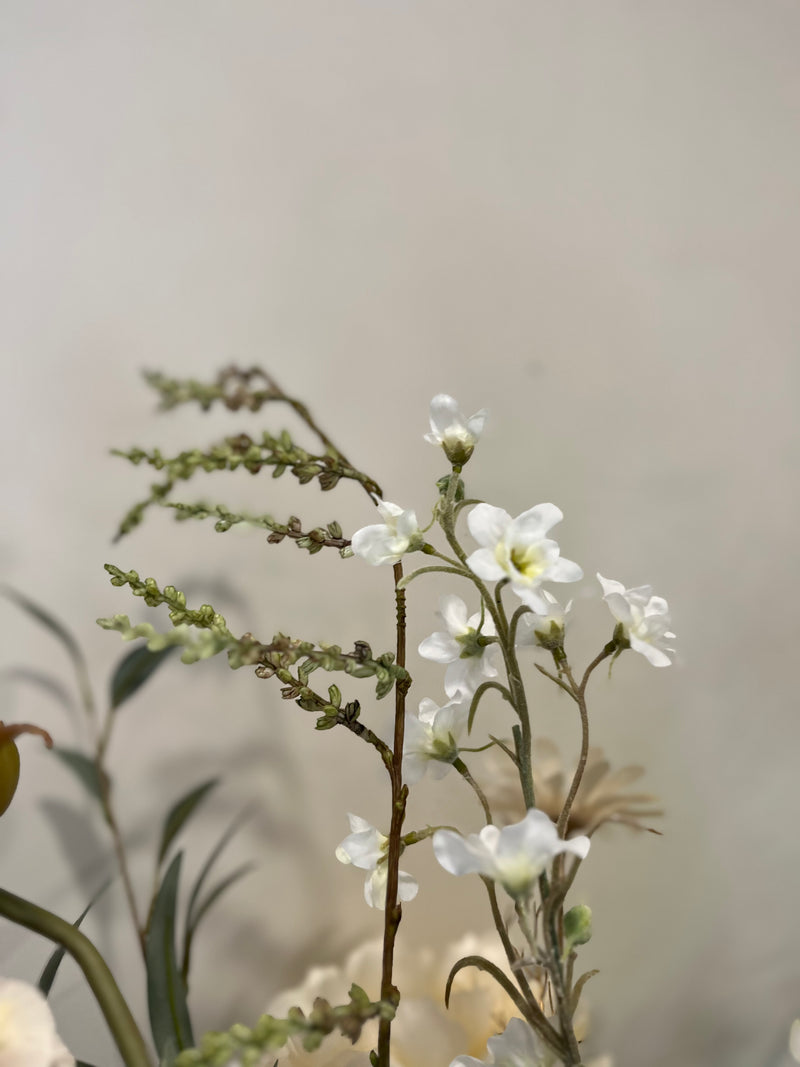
<point>367,848</point>
<point>644,618</point>
<point>517,1046</point>
<point>794,1040</point>
<point>424,1032</point>
<point>456,434</point>
<point>431,739</point>
<point>28,1035</point>
<point>469,660</point>
<point>546,629</point>
<point>514,856</point>
<point>386,542</point>
<point>519,550</point>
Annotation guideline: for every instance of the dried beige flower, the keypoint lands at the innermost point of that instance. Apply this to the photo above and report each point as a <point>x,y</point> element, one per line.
<point>602,797</point>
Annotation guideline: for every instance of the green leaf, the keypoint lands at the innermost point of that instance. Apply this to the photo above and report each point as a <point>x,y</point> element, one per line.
<point>170,1023</point>
<point>200,881</point>
<point>179,813</point>
<point>48,975</point>
<point>58,629</point>
<point>83,768</point>
<point>133,671</point>
<point>201,910</point>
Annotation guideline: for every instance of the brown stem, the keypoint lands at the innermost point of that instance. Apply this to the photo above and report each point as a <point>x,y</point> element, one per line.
<point>394,911</point>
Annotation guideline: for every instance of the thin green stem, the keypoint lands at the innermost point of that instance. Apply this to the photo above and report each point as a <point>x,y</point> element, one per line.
<point>463,770</point>
<point>121,1023</point>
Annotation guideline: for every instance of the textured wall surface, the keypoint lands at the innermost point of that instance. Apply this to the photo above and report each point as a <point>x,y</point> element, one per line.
<point>582,216</point>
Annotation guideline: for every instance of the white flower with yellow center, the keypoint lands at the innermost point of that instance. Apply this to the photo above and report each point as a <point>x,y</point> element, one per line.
<point>431,738</point>
<point>388,541</point>
<point>462,646</point>
<point>519,550</point>
<point>449,428</point>
<point>644,618</point>
<point>28,1035</point>
<point>514,856</point>
<point>367,848</point>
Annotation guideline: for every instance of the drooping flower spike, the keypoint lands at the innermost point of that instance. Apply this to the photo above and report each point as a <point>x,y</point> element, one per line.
<point>469,661</point>
<point>449,428</point>
<point>367,848</point>
<point>644,619</point>
<point>519,549</point>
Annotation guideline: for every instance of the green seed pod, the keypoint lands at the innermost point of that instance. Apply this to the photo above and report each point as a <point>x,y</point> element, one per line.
<point>9,773</point>
<point>9,757</point>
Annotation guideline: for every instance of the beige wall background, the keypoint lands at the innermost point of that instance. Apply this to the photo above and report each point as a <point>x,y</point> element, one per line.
<point>582,216</point>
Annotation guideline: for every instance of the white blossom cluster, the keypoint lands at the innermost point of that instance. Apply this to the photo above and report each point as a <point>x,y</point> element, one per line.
<point>520,553</point>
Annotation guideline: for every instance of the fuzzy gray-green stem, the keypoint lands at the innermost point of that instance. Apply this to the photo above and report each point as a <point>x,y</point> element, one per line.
<point>121,1023</point>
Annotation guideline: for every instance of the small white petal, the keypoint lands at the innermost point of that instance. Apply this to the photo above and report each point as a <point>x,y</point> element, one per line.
<point>453,612</point>
<point>440,648</point>
<point>407,886</point>
<point>488,524</point>
<point>652,654</point>
<point>443,413</point>
<point>483,562</point>
<point>564,570</point>
<point>455,853</point>
<point>534,523</point>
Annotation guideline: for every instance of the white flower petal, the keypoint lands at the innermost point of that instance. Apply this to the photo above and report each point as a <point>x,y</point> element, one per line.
<point>444,414</point>
<point>407,886</point>
<point>28,1036</point>
<point>457,854</point>
<point>453,612</point>
<point>564,570</point>
<point>483,562</point>
<point>653,655</point>
<point>488,524</point>
<point>440,648</point>
<point>609,585</point>
<point>374,544</point>
<point>534,523</point>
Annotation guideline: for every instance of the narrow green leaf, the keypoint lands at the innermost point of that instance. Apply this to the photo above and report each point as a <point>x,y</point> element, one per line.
<point>213,856</point>
<point>48,975</point>
<point>83,768</point>
<point>83,1063</point>
<point>58,629</point>
<point>133,671</point>
<point>179,813</point>
<point>170,1023</point>
<point>208,903</point>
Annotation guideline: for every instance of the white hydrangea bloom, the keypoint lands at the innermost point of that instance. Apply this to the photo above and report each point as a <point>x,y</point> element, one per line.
<point>28,1035</point>
<point>431,738</point>
<point>449,428</point>
<point>388,541</point>
<point>424,1031</point>
<point>367,848</point>
<point>645,619</point>
<point>469,661</point>
<point>543,629</point>
<point>518,549</point>
<point>514,856</point>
